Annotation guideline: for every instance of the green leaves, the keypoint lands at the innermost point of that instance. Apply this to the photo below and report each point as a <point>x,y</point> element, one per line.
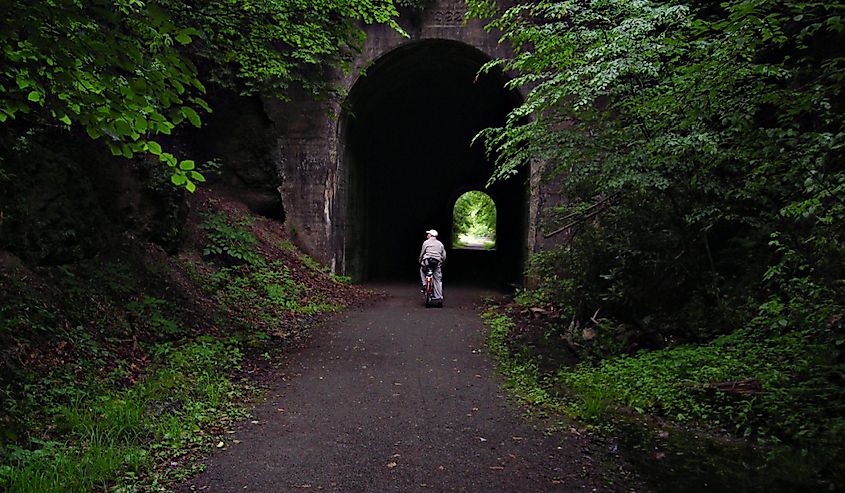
<point>183,174</point>
<point>125,71</point>
<point>713,129</point>
<point>267,46</point>
<point>154,148</point>
<point>186,176</point>
<point>231,240</point>
<point>184,36</point>
<point>191,115</point>
<point>101,66</point>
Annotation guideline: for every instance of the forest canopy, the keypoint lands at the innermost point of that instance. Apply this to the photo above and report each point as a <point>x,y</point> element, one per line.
<point>127,71</point>
<point>703,146</point>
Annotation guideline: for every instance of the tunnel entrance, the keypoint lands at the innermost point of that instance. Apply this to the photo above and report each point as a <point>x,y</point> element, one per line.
<point>406,157</point>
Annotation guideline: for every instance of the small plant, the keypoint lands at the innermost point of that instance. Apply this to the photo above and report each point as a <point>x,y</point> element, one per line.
<point>212,167</point>
<point>312,264</point>
<point>256,339</point>
<point>286,245</point>
<point>342,279</point>
<point>231,241</point>
<point>116,277</point>
<point>148,311</point>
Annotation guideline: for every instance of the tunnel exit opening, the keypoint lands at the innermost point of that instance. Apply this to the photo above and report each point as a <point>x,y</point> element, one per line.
<point>474,222</point>
<point>405,157</point>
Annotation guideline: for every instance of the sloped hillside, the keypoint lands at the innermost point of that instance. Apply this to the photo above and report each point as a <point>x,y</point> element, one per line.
<point>114,367</point>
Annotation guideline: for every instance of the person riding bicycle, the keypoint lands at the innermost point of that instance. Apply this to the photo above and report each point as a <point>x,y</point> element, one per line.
<point>433,249</point>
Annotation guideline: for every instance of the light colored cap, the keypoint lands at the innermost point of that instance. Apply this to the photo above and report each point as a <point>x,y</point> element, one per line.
<point>432,232</point>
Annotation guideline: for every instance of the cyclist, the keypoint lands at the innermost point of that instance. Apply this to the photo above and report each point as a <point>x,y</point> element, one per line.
<point>433,249</point>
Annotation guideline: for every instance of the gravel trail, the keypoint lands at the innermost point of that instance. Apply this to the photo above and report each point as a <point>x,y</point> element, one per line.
<point>397,397</point>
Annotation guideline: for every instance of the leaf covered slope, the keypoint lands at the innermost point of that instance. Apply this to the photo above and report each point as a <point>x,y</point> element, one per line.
<point>116,365</point>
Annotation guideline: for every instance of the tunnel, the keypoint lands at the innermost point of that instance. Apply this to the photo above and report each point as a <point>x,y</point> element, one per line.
<point>406,156</point>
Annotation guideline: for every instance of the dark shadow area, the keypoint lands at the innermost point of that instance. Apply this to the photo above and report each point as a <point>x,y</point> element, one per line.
<point>242,140</point>
<point>406,158</point>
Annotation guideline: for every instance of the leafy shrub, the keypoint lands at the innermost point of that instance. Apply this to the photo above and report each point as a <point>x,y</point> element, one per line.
<point>230,240</point>
<point>148,313</point>
<point>795,406</point>
<point>312,264</point>
<point>266,291</point>
<point>703,176</point>
<point>272,286</point>
<point>342,279</point>
<point>799,404</point>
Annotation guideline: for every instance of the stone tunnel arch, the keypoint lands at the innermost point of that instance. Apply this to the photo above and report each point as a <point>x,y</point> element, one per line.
<point>404,156</point>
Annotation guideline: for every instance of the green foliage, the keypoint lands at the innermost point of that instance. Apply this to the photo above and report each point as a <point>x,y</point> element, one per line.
<point>342,279</point>
<point>230,240</point>
<point>113,435</point>
<point>474,216</point>
<point>796,412</point>
<point>114,69</point>
<point>702,152</point>
<point>266,292</point>
<point>148,312</point>
<point>265,286</point>
<point>313,264</point>
<point>799,405</point>
<point>22,316</point>
<point>125,73</point>
<point>105,377</point>
<point>522,376</point>
<point>286,245</point>
<point>270,46</point>
<point>413,4</point>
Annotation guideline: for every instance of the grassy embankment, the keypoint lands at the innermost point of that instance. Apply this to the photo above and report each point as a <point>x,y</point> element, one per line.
<point>118,372</point>
<point>781,426</point>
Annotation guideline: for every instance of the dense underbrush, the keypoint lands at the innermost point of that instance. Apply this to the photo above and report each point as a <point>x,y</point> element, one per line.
<point>775,401</point>
<point>117,371</point>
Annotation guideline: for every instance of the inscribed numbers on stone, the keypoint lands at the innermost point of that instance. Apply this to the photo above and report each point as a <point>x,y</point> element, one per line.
<point>448,17</point>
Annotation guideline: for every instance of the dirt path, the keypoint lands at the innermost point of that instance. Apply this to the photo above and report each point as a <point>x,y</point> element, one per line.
<point>396,397</point>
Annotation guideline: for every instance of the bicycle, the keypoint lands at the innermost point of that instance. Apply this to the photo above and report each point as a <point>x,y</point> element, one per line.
<point>430,265</point>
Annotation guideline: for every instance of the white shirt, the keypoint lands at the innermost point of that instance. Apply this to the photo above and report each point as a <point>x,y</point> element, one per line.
<point>432,248</point>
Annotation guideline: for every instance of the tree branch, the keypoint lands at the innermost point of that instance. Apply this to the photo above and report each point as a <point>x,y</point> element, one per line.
<point>584,215</point>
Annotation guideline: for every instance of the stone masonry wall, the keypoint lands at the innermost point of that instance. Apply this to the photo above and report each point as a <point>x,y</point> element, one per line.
<point>310,169</point>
